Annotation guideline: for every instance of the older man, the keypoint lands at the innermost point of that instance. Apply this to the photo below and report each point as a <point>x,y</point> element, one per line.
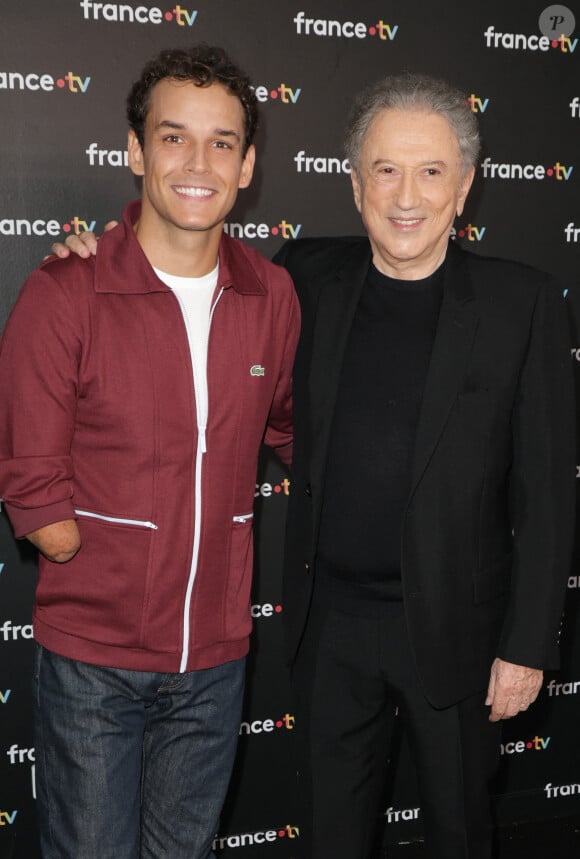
<point>431,511</point>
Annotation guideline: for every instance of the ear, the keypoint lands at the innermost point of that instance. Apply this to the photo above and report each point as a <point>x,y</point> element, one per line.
<point>464,188</point>
<point>136,162</point>
<point>356,187</point>
<point>247,170</point>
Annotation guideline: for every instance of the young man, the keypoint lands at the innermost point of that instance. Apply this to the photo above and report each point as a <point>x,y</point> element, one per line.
<point>136,389</point>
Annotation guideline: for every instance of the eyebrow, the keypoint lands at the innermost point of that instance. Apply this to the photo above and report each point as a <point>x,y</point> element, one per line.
<point>179,126</point>
<point>434,163</point>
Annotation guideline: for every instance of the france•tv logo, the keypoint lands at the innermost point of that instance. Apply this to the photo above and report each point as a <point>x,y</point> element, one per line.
<point>469,232</point>
<point>516,747</point>
<point>521,42</point>
<point>284,229</point>
<point>250,839</point>
<point>267,726</point>
<point>12,632</point>
<point>328,28</point>
<point>572,232</point>
<point>7,818</point>
<point>47,83</point>
<point>265,609</point>
<point>497,170</point>
<point>282,93</point>
<point>122,13</point>
<point>556,25</point>
<point>477,104</point>
<point>77,225</point>
<point>41,227</point>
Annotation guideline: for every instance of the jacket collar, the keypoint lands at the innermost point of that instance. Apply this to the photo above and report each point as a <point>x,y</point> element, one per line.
<point>350,266</point>
<point>353,267</point>
<point>450,357</point>
<point>340,288</point>
<point>122,267</point>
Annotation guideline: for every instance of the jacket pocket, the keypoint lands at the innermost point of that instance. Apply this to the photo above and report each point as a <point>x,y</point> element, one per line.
<point>100,594</point>
<point>492,581</point>
<point>237,609</point>
<point>116,520</point>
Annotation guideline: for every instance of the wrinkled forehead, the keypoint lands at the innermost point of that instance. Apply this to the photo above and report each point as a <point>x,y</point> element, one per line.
<point>409,131</point>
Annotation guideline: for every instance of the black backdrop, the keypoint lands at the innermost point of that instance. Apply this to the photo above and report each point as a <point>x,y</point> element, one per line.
<point>65,68</point>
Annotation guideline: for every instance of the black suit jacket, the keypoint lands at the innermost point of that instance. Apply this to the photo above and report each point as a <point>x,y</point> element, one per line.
<point>487,531</point>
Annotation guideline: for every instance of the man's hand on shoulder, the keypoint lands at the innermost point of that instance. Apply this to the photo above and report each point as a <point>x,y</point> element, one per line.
<point>59,541</point>
<point>84,245</point>
<point>512,688</point>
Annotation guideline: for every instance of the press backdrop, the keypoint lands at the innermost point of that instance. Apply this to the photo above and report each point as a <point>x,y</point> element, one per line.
<point>65,69</point>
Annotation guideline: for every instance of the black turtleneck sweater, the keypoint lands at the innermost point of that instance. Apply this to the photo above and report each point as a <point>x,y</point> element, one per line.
<point>374,425</point>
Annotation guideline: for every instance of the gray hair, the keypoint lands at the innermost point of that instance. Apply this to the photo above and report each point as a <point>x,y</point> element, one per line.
<point>414,92</point>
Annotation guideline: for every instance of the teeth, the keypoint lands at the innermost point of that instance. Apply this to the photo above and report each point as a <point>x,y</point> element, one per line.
<point>193,192</point>
<point>407,221</point>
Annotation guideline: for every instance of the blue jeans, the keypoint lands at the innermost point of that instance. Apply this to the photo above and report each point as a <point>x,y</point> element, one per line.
<point>132,764</point>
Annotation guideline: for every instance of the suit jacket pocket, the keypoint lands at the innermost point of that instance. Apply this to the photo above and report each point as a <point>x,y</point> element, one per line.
<point>492,581</point>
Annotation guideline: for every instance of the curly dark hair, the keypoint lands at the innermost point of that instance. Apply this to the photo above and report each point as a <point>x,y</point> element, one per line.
<point>203,65</point>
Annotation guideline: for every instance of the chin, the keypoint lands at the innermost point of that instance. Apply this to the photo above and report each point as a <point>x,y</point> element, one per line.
<point>407,254</point>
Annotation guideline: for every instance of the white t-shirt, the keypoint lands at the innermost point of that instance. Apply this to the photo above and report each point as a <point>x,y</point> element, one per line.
<point>195,298</point>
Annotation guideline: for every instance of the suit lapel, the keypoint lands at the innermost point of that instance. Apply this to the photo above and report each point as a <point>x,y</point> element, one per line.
<point>454,339</point>
<point>337,303</point>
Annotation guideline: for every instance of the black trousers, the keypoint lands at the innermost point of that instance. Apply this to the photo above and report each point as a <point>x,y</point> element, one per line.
<point>351,673</point>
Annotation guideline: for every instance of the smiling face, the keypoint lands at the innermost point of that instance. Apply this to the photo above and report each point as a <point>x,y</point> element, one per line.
<point>409,188</point>
<point>191,161</point>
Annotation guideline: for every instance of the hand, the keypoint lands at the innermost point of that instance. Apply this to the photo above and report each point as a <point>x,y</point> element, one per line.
<point>512,688</point>
<point>59,541</point>
<point>84,245</point>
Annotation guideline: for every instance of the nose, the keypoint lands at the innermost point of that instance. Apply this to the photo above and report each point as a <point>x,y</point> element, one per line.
<point>197,161</point>
<point>408,196</point>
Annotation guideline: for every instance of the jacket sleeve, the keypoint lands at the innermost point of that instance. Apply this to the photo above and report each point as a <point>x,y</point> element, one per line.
<point>542,489</point>
<point>278,434</point>
<point>40,353</point>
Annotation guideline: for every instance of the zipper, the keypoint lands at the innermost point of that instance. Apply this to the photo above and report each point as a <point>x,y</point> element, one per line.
<point>140,523</point>
<point>201,449</point>
<point>243,519</point>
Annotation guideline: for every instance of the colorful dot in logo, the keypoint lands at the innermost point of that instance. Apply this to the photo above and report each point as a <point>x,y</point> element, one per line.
<point>281,833</point>
<point>273,93</point>
<point>168,16</point>
<point>275,232</point>
<point>550,171</point>
<point>278,609</point>
<point>60,83</point>
<point>372,31</point>
<point>66,228</point>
